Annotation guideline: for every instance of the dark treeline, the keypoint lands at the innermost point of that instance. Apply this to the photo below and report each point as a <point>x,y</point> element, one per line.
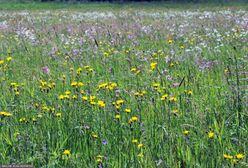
<point>181,1</point>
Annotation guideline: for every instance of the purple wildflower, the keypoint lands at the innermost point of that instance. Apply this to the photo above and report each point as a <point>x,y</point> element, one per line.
<point>45,70</point>
<point>104,142</point>
<point>100,165</point>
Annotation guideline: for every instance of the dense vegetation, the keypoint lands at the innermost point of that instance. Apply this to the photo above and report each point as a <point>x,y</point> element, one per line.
<point>132,87</point>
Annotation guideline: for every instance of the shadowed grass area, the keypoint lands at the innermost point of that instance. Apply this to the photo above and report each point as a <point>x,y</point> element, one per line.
<point>26,5</point>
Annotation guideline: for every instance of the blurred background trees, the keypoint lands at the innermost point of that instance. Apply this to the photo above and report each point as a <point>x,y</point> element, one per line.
<point>123,1</point>
<point>186,1</point>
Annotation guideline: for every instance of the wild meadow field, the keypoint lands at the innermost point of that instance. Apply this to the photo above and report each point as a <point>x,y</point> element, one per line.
<point>124,87</point>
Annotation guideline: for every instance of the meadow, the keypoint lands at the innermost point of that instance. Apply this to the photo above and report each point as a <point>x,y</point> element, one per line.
<point>134,86</point>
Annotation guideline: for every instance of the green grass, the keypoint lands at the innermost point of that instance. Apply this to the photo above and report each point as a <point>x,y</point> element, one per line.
<point>173,78</point>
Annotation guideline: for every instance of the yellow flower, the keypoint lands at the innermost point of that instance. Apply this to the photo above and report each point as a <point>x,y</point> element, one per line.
<point>134,118</point>
<point>175,111</point>
<point>119,102</point>
<point>117,116</point>
<point>140,145</point>
<point>143,92</point>
<point>67,152</point>
<point>45,108</point>
<point>111,86</point>
<point>133,70</point>
<point>34,119</point>
<point>173,99</point>
<point>94,135</point>
<point>135,141</point>
<point>73,84</point>
<point>58,114</point>
<point>153,65</point>
<point>137,72</point>
<point>103,85</point>
<point>66,97</point>
<point>13,84</point>
<point>164,97</point>
<point>9,58</point>
<point>52,110</point>
<point>92,98</point>
<point>106,54</point>
<point>226,156</point>
<point>5,114</point>
<point>101,103</point>
<point>127,50</point>
<point>74,97</point>
<point>86,67</point>
<point>99,160</point>
<point>79,70</point>
<point>127,110</point>
<point>1,62</point>
<point>23,119</point>
<point>117,106</point>
<point>170,41</point>
<point>156,85</point>
<point>240,156</point>
<point>67,92</point>
<point>234,161</point>
<point>80,84</point>
<point>99,156</point>
<point>140,155</point>
<point>140,93</point>
<point>171,64</point>
<point>190,92</point>
<point>15,89</point>
<point>39,115</point>
<point>186,132</point>
<point>154,54</point>
<point>85,98</point>
<point>53,84</point>
<point>92,103</point>
<point>210,134</point>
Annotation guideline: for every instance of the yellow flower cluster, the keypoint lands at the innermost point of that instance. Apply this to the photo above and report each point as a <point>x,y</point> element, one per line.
<point>5,114</point>
<point>153,66</point>
<point>77,84</point>
<point>140,147</point>
<point>140,94</point>
<point>135,71</point>
<point>15,88</point>
<point>132,120</point>
<point>46,86</point>
<point>118,103</point>
<point>108,86</point>
<point>234,159</point>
